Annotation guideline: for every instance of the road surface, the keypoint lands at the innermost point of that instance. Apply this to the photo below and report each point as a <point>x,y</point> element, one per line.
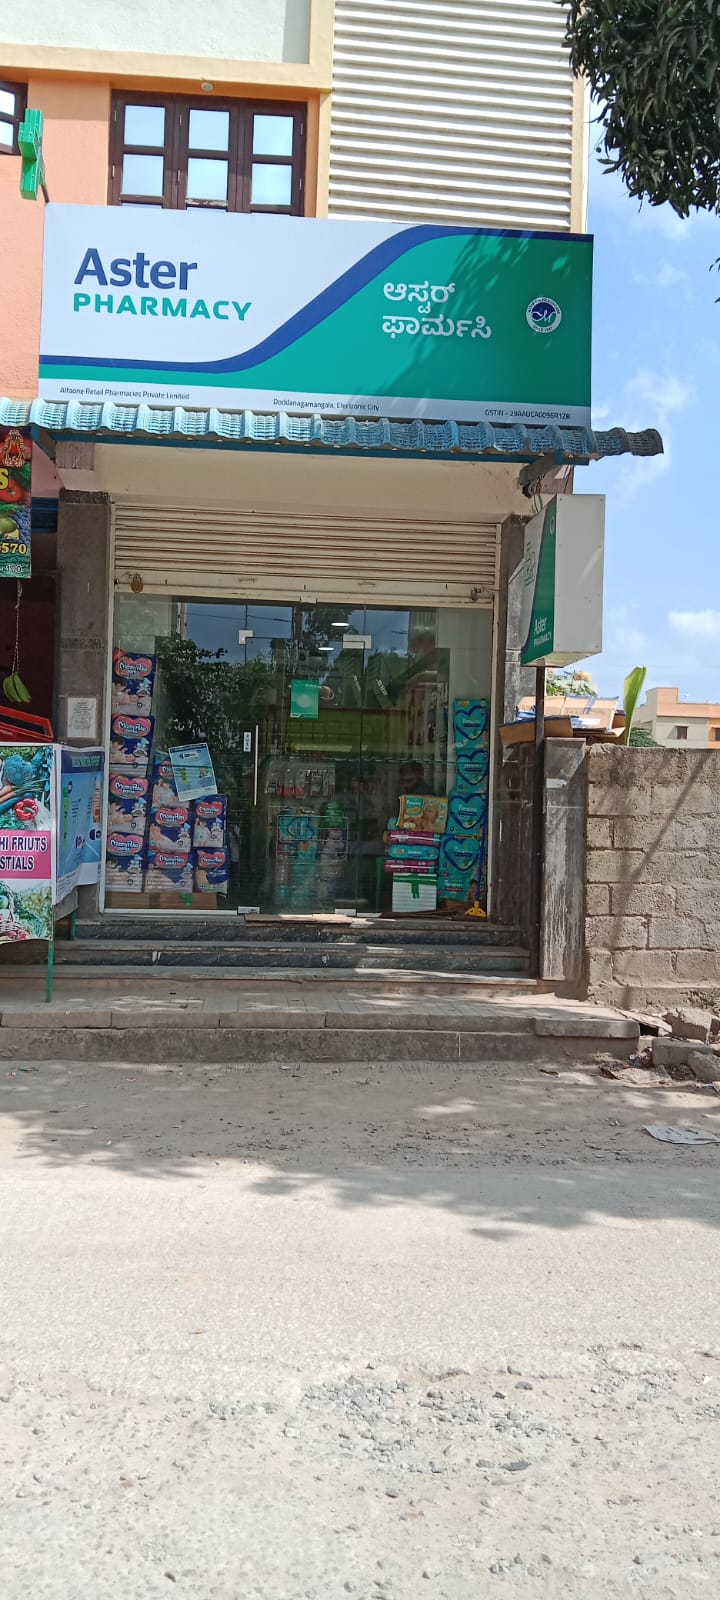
<point>305,1333</point>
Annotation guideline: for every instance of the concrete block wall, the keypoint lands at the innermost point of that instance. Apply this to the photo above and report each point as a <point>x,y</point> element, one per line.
<point>652,874</point>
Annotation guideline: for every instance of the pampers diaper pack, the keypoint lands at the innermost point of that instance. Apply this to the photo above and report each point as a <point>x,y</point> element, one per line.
<point>170,828</point>
<point>471,724</point>
<point>212,871</point>
<point>398,836</point>
<point>210,820</point>
<point>124,861</point>
<point>412,852</point>
<point>422,869</point>
<point>132,682</point>
<point>422,813</point>
<point>127,802</point>
<point>471,772</point>
<point>164,790</point>
<point>130,742</point>
<point>169,871</point>
<point>466,815</point>
<point>462,852</point>
<point>459,860</point>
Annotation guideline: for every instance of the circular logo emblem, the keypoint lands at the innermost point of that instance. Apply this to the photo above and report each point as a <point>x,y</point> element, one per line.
<point>544,314</point>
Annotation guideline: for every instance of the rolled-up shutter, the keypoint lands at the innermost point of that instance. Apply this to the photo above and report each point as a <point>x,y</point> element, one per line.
<point>195,551</point>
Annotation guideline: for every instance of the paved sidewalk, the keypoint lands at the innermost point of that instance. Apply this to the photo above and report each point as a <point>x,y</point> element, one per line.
<point>312,1004</point>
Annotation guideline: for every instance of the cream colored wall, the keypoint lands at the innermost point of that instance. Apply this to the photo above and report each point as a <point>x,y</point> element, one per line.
<point>580,157</point>
<point>273,30</point>
<point>698,738</point>
<point>265,44</point>
<point>442,490</point>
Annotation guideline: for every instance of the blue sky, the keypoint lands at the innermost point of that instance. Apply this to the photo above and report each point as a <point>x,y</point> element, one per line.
<point>656,363</point>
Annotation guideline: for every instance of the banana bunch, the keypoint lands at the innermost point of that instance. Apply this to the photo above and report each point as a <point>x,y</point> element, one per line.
<point>15,691</point>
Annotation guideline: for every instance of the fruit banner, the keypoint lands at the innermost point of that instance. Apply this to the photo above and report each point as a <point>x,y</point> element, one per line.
<point>15,470</point>
<point>27,837</point>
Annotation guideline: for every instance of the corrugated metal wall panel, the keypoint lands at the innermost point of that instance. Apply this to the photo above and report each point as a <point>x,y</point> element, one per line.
<point>456,112</point>
<point>194,551</point>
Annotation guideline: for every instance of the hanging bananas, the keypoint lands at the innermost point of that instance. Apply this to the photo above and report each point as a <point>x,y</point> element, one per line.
<point>15,691</point>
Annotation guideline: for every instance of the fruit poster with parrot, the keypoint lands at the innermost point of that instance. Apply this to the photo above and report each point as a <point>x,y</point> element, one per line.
<point>15,501</point>
<point>27,841</point>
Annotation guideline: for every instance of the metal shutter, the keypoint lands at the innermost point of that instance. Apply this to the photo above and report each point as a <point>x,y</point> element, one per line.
<point>453,112</point>
<point>193,551</point>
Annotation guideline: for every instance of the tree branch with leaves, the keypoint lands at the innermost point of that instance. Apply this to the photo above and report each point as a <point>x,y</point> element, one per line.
<point>653,67</point>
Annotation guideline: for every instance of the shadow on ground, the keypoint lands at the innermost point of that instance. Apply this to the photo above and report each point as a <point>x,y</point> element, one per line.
<point>448,1137</point>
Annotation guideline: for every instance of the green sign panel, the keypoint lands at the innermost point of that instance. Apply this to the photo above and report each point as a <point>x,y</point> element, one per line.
<point>304,699</point>
<point>539,575</point>
<point>562,581</point>
<point>32,175</point>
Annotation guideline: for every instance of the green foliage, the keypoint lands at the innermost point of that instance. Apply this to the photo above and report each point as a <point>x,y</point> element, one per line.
<point>632,690</point>
<point>642,739</point>
<point>653,67</point>
<point>567,680</point>
<point>212,701</point>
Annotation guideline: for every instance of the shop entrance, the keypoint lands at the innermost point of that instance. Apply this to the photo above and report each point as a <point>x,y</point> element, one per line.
<point>317,718</point>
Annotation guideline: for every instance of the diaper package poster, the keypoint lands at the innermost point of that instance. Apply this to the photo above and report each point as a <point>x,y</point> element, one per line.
<point>79,839</point>
<point>15,470</point>
<point>27,826</point>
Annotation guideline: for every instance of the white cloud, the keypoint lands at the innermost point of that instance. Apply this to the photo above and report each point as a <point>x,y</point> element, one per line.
<point>666,277</point>
<point>624,638</point>
<point>695,625</point>
<point>608,190</point>
<point>665,391</point>
<point>652,400</point>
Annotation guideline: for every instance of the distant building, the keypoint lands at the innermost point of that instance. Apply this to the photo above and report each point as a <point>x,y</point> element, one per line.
<point>671,721</point>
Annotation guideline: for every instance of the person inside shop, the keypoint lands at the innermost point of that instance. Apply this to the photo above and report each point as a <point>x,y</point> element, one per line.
<point>412,779</point>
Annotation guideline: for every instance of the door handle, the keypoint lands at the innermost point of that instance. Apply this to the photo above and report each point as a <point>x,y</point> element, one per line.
<point>255,791</point>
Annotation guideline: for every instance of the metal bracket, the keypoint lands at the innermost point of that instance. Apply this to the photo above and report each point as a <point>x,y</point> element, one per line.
<point>536,470</point>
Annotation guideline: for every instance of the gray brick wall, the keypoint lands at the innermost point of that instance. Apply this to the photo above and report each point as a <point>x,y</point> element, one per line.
<point>652,874</point>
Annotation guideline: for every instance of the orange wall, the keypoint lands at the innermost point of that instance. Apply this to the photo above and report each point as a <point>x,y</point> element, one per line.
<point>76,135</point>
<point>76,138</point>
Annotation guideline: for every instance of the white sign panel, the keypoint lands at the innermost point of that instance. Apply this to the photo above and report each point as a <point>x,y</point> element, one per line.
<point>82,717</point>
<point>562,581</point>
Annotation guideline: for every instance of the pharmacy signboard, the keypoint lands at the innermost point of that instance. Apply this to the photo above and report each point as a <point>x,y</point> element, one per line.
<point>562,582</point>
<point>160,307</point>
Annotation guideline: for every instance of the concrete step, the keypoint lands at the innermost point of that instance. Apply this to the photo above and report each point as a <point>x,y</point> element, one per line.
<point>286,1036</point>
<point>155,981</point>
<point>350,957</point>
<point>472,932</point>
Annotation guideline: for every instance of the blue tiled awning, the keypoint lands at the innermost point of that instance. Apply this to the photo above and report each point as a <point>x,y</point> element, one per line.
<point>381,436</point>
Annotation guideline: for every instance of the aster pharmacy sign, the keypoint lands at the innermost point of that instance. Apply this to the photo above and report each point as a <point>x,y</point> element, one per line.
<point>562,581</point>
<point>289,313</point>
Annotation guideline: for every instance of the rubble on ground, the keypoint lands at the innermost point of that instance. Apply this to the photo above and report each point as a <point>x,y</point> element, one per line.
<point>689,1022</point>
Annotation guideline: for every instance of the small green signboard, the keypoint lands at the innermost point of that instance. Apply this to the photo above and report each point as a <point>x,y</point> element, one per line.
<point>30,135</point>
<point>304,699</point>
<point>562,582</point>
<point>540,576</point>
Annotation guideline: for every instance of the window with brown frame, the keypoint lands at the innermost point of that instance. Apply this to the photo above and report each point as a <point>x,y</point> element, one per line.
<point>225,155</point>
<point>13,101</point>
